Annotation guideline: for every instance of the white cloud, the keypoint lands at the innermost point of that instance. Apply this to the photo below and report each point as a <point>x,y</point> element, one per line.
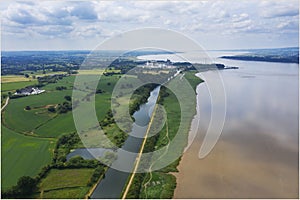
<point>101,19</point>
<point>273,9</point>
<point>240,17</point>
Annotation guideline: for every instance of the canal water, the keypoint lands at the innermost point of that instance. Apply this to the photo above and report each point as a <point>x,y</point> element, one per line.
<point>112,185</point>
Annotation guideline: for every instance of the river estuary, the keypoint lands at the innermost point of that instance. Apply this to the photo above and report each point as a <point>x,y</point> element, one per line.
<point>257,153</point>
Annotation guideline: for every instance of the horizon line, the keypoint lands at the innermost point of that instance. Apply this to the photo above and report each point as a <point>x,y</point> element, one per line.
<point>234,49</point>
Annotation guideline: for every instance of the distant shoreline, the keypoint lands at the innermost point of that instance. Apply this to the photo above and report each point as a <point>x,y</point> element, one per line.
<point>263,59</point>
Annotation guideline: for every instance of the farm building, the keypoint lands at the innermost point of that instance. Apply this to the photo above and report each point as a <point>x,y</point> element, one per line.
<point>29,91</point>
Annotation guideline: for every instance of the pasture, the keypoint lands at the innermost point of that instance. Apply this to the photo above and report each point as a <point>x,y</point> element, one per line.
<point>158,186</point>
<point>66,183</point>
<point>22,155</point>
<point>12,86</point>
<point>40,122</point>
<point>14,78</point>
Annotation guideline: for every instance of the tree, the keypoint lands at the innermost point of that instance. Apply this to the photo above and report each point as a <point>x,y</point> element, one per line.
<point>26,185</point>
<point>99,91</point>
<point>51,109</point>
<point>26,75</point>
<point>68,98</point>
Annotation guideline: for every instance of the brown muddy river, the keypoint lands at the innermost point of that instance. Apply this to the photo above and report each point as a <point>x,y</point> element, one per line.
<point>257,154</point>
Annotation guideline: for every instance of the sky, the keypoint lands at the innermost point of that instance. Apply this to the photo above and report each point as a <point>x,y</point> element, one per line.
<point>214,24</point>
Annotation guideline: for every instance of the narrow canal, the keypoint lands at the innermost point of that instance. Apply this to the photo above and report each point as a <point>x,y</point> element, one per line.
<point>112,185</point>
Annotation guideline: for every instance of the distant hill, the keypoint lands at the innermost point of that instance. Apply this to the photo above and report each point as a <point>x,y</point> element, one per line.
<point>284,55</point>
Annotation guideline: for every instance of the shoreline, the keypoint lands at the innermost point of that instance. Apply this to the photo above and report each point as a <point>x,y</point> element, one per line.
<point>176,174</point>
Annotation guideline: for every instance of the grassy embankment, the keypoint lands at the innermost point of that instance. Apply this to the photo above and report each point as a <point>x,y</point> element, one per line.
<point>160,183</point>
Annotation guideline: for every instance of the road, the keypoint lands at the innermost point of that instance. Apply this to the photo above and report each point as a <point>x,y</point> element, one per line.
<point>5,104</point>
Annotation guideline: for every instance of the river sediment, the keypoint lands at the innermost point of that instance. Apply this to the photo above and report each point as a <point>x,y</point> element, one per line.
<point>257,153</point>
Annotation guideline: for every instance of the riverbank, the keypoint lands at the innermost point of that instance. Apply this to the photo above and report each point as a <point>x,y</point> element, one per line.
<point>161,183</point>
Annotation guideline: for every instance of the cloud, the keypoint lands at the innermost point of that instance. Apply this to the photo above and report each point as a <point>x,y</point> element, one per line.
<point>36,14</point>
<point>80,21</point>
<point>240,17</point>
<point>22,14</point>
<point>84,11</point>
<point>279,9</point>
<point>53,30</point>
<point>288,25</point>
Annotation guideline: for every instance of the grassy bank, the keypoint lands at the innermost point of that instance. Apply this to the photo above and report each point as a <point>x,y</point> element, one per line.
<point>161,184</point>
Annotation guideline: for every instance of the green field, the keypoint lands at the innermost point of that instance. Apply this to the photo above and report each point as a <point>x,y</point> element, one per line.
<point>12,86</point>
<point>66,193</point>
<point>22,155</point>
<point>29,136</point>
<point>14,78</point>
<point>17,118</point>
<point>96,71</point>
<point>40,122</point>
<point>158,186</point>
<point>66,183</point>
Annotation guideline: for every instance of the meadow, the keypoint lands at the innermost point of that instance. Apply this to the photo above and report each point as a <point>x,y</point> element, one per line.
<point>65,183</point>
<point>22,155</point>
<point>39,121</point>
<point>14,79</point>
<point>12,86</point>
<point>29,136</point>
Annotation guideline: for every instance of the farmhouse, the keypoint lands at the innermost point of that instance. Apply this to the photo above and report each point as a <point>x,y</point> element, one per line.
<point>29,91</point>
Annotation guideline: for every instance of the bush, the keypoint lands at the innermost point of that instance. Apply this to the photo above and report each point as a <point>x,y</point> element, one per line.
<point>51,109</point>
<point>61,88</point>
<point>65,107</point>
<point>99,91</point>
<point>96,175</point>
<point>68,98</point>
<point>25,187</point>
<point>27,108</point>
